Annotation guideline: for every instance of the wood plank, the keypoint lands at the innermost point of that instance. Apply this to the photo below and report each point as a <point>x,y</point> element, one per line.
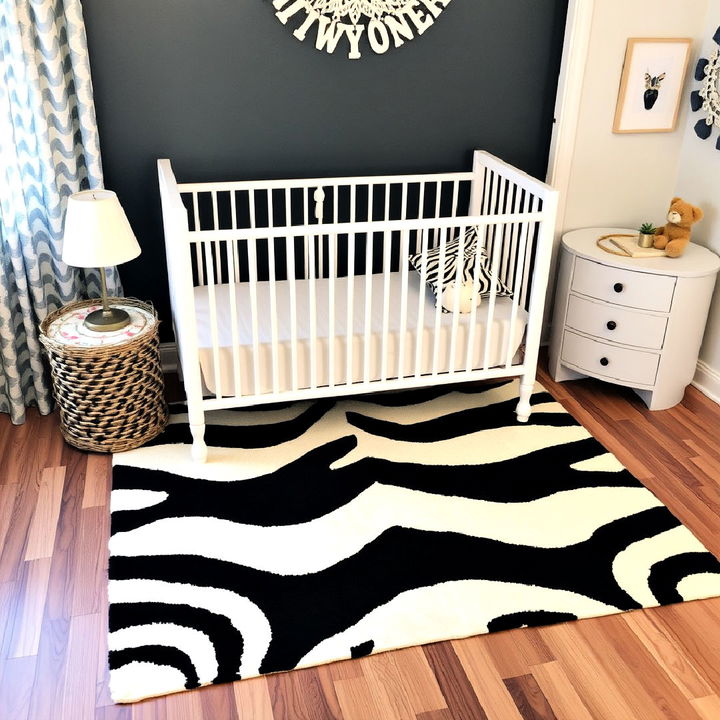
<point>96,490</point>
<point>436,715</point>
<point>708,708</point>
<point>51,668</point>
<point>80,682</point>
<point>115,712</point>
<point>407,669</point>
<point>252,699</point>
<point>695,630</point>
<point>529,698</point>
<point>8,493</point>
<point>16,688</point>
<point>41,536</point>
<point>454,684</point>
<point>91,561</point>
<point>559,691</point>
<point>513,651</point>
<point>667,654</point>
<point>185,706</point>
<point>299,695</point>
<point>31,607</point>
<point>384,681</point>
<point>356,701</point>
<point>619,651</point>
<point>218,701</point>
<point>152,709</point>
<point>588,675</point>
<point>480,668</point>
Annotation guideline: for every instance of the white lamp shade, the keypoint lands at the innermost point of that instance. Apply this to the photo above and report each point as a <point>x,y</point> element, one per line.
<point>97,232</point>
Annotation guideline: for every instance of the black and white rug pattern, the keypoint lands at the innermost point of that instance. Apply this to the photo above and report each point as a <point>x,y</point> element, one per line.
<point>331,529</point>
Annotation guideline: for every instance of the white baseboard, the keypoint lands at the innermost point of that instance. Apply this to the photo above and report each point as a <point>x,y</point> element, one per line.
<point>707,381</point>
<point>168,357</point>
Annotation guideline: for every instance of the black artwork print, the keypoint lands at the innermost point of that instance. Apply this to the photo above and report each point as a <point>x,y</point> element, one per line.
<point>652,89</point>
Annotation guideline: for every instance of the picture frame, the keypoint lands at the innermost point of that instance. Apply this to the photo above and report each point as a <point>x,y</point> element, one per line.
<point>651,85</point>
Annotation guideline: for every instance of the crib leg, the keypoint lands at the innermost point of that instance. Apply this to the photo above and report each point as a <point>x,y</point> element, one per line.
<point>523,409</point>
<point>199,450</point>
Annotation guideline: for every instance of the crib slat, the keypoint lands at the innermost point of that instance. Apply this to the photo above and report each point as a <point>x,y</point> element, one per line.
<point>214,330</point>
<point>456,300</point>
<point>293,310</point>
<point>291,274</point>
<point>518,275</point>
<point>332,252</point>
<point>454,206</point>
<point>231,249</point>
<point>306,239</point>
<point>253,272</point>
<point>387,247</point>
<point>273,298</point>
<point>218,243</point>
<point>369,242</point>
<point>480,244</point>
<point>404,253</point>
<point>234,243</point>
<point>319,198</point>
<point>489,331</point>
<point>422,294</point>
<point>438,198</point>
<point>198,246</point>
<point>313,314</point>
<point>350,320</point>
<point>438,306</point>
<point>507,272</point>
<point>534,202</point>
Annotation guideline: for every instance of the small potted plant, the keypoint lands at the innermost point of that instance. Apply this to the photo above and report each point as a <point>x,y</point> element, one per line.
<point>646,235</point>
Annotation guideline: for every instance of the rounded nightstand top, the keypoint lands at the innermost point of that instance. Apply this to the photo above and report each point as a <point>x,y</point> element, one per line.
<point>68,327</point>
<point>696,261</point>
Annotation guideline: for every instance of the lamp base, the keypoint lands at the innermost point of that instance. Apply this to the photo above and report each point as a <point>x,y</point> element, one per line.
<point>107,320</point>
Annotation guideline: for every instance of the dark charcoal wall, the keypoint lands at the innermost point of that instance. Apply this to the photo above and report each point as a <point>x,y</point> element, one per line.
<point>226,92</point>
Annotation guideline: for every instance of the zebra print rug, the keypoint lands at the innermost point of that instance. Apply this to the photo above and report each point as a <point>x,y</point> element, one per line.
<point>333,529</point>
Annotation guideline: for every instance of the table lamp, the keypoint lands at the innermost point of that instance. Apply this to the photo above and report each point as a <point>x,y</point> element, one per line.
<point>98,235</point>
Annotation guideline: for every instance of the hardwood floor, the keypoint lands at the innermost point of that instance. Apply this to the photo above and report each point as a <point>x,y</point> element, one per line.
<point>652,664</point>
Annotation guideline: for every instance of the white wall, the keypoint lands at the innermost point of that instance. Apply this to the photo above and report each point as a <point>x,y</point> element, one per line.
<point>623,180</point>
<point>699,183</point>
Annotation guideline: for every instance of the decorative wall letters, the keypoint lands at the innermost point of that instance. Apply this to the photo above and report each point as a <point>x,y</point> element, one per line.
<point>707,98</point>
<point>351,25</point>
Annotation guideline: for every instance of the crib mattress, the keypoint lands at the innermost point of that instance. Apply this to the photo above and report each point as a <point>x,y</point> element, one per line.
<point>498,340</point>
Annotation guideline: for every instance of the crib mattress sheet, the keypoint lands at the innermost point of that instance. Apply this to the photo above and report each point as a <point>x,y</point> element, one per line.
<point>381,361</point>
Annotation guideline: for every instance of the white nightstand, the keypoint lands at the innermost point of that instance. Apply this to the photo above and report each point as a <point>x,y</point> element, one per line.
<point>630,321</point>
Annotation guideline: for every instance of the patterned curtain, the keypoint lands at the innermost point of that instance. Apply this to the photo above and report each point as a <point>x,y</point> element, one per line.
<point>49,149</point>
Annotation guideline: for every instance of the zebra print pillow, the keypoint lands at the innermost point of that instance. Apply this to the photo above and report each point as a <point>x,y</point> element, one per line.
<point>442,279</point>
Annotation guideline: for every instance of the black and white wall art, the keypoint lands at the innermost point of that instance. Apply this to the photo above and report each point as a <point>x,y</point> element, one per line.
<point>652,81</point>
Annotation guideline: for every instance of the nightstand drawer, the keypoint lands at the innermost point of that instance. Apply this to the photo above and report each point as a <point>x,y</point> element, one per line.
<point>634,367</point>
<point>644,291</point>
<point>616,324</point>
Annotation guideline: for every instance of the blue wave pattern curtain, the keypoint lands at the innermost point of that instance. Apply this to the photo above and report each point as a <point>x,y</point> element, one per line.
<point>49,149</point>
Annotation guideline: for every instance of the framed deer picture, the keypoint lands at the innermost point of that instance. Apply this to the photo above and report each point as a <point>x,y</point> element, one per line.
<point>651,85</point>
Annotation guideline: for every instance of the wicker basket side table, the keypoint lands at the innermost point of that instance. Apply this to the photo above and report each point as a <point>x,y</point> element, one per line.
<point>108,385</point>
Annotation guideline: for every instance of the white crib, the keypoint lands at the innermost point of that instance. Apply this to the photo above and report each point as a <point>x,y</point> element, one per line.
<point>293,289</point>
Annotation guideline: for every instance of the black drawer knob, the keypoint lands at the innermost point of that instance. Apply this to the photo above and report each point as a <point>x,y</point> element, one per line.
<point>618,287</point>
<point>611,325</point>
<point>604,362</point>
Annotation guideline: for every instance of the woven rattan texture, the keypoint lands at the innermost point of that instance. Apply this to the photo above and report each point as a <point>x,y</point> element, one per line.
<point>111,398</point>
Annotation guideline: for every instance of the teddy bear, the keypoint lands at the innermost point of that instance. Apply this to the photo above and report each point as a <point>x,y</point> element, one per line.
<point>674,237</point>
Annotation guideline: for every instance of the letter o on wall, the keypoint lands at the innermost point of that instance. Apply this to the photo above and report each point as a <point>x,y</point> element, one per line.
<point>378,37</point>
